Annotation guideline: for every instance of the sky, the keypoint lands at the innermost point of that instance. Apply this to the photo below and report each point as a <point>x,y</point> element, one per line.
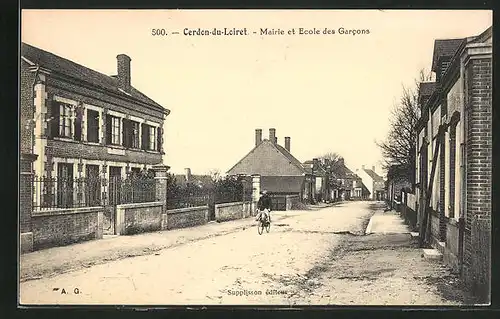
<point>328,92</point>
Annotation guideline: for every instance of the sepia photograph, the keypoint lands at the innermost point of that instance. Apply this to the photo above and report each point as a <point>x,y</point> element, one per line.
<point>280,158</point>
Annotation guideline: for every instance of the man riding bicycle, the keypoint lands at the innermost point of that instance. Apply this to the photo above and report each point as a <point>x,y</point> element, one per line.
<point>264,206</point>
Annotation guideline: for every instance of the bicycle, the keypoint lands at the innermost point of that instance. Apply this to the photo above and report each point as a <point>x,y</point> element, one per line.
<point>264,223</point>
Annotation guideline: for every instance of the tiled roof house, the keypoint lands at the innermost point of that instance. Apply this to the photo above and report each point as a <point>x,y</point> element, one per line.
<point>281,173</point>
<point>373,182</point>
<point>82,123</point>
<point>454,137</point>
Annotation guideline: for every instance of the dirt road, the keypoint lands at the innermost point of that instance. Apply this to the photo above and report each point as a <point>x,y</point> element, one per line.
<point>309,257</point>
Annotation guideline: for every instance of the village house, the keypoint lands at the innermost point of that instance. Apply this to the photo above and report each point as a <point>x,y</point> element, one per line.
<point>281,174</point>
<point>373,182</point>
<point>78,124</point>
<point>88,124</point>
<point>315,169</point>
<point>344,182</point>
<point>359,190</point>
<point>454,156</point>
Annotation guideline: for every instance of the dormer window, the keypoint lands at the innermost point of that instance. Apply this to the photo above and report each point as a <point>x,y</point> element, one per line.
<point>444,66</point>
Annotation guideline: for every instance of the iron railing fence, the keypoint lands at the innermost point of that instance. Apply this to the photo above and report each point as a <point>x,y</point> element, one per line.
<point>188,197</point>
<point>186,201</point>
<point>50,192</point>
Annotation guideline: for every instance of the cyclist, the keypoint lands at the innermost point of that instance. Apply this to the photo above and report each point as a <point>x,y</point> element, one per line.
<point>264,206</point>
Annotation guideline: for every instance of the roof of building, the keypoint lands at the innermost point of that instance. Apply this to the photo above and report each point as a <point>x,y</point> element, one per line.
<point>341,171</point>
<point>486,34</point>
<point>261,160</point>
<point>318,170</point>
<point>426,88</point>
<point>288,155</point>
<point>373,175</point>
<point>282,184</point>
<point>444,48</point>
<point>364,190</point>
<point>62,65</point>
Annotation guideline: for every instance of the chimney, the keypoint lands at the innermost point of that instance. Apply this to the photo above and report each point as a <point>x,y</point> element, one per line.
<point>258,136</point>
<point>187,174</point>
<point>287,143</point>
<point>373,168</point>
<point>123,72</point>
<point>315,163</point>
<point>272,135</point>
<point>363,166</point>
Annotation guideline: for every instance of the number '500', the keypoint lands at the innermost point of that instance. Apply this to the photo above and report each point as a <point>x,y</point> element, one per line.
<point>158,32</point>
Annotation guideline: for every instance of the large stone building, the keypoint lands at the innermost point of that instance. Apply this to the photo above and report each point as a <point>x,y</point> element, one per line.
<point>454,140</point>
<point>82,123</point>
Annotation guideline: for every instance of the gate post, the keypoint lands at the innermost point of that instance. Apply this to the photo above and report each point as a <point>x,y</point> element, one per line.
<point>161,184</point>
<point>255,193</point>
<point>26,202</point>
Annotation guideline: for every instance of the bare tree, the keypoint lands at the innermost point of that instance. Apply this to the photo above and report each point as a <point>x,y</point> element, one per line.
<point>331,157</point>
<point>215,175</point>
<point>398,149</point>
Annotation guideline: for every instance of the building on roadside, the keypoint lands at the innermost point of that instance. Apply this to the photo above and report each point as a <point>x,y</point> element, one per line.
<point>83,123</point>
<point>454,135</point>
<point>281,174</point>
<point>373,182</point>
<point>316,169</point>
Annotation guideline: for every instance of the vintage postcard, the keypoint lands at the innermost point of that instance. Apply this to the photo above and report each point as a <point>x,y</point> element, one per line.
<point>255,157</point>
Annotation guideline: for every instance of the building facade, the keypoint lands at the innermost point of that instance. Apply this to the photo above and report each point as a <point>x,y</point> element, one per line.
<point>373,182</point>
<point>281,174</point>
<point>81,123</point>
<point>454,156</point>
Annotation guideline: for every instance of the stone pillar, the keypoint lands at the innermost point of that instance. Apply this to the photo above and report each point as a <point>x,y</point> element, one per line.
<point>26,202</point>
<point>161,184</point>
<point>255,193</point>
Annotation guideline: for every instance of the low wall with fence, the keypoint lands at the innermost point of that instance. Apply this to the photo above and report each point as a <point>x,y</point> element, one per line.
<point>408,209</point>
<point>138,218</point>
<point>59,227</point>
<point>185,217</point>
<point>232,211</point>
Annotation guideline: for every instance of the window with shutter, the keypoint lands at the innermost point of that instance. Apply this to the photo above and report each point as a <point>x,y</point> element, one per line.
<point>152,138</point>
<point>65,116</point>
<point>93,126</point>
<point>54,119</point>
<point>134,134</point>
<point>144,137</point>
<point>108,129</point>
<point>115,130</point>
<point>126,133</point>
<point>158,143</point>
<point>78,123</point>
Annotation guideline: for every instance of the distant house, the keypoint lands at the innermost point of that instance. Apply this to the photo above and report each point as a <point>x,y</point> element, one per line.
<point>343,180</point>
<point>360,191</point>
<point>281,173</point>
<point>374,182</point>
<point>315,169</point>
